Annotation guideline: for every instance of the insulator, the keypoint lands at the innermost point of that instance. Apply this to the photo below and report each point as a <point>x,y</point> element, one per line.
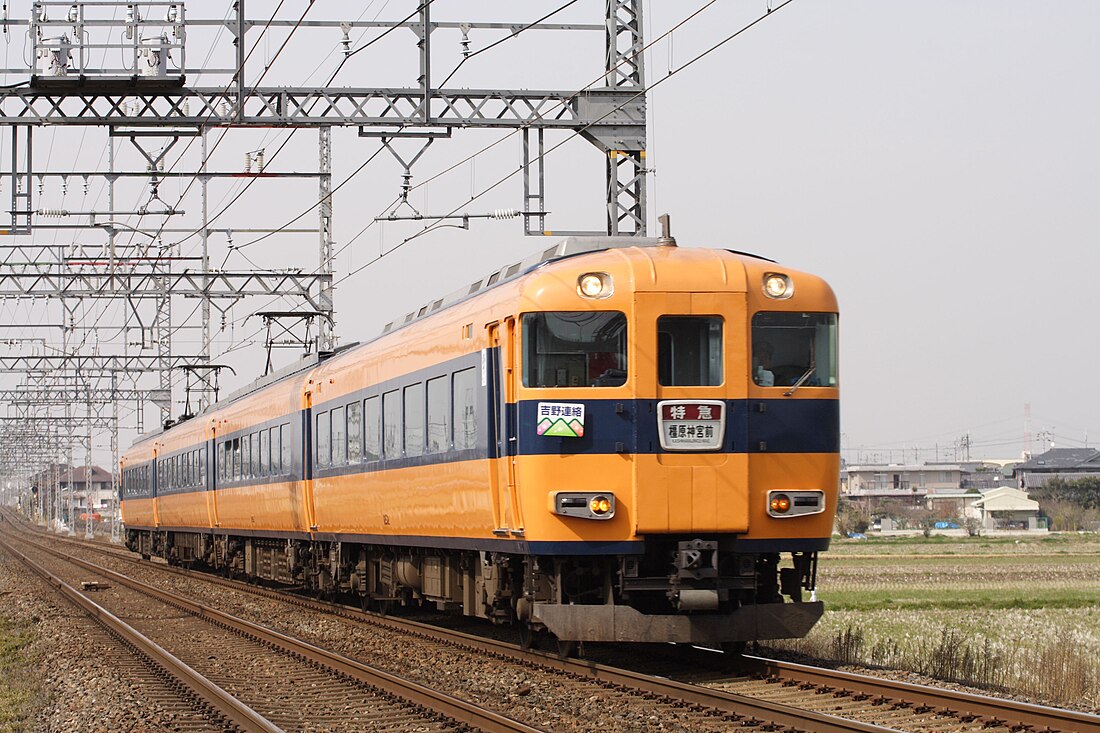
<point>248,162</point>
<point>259,161</point>
<point>64,185</point>
<point>52,213</point>
<point>172,14</point>
<point>504,214</point>
<point>85,185</point>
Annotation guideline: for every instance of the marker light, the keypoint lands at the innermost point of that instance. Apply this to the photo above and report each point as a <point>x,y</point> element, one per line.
<point>599,505</point>
<point>778,286</point>
<point>781,503</point>
<point>594,285</point>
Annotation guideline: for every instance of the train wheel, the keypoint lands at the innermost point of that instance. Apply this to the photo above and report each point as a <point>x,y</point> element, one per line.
<point>529,637</point>
<point>567,649</point>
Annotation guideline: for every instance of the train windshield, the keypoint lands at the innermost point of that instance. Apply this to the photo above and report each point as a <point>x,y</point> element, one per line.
<point>574,349</point>
<point>794,349</point>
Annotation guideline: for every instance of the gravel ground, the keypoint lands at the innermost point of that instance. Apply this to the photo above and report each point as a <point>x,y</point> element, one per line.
<point>74,691</point>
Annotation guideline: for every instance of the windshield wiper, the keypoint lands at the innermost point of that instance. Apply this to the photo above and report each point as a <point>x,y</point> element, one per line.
<point>801,380</point>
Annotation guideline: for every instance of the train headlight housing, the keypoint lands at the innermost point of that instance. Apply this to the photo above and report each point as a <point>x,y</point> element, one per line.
<point>780,503</point>
<point>783,504</point>
<point>583,504</point>
<point>778,286</point>
<point>595,285</point>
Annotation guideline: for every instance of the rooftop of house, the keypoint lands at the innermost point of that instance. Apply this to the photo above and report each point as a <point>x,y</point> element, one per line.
<point>1063,459</point>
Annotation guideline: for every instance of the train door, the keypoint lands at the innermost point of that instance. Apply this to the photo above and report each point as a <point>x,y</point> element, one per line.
<point>307,509</point>
<point>213,480</point>
<point>155,467</point>
<point>502,392</point>
<point>689,348</point>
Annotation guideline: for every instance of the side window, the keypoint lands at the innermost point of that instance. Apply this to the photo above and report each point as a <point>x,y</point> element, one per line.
<point>465,408</point>
<point>355,432</point>
<point>323,434</point>
<point>372,431</point>
<point>414,419</point>
<point>246,456</point>
<point>284,432</point>
<point>276,457</point>
<point>339,437</point>
<point>255,463</point>
<point>202,466</point>
<point>265,452</point>
<point>439,415</point>
<point>236,458</point>
<point>391,424</point>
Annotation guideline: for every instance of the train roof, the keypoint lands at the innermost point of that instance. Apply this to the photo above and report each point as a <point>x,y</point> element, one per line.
<point>564,249</point>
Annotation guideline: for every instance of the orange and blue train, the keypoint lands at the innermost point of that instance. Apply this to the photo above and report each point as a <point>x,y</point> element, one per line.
<point>613,440</point>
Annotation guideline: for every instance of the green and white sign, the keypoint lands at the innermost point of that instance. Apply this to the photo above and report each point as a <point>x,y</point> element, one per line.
<point>561,419</point>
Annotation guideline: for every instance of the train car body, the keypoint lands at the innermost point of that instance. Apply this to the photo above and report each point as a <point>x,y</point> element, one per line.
<point>615,440</point>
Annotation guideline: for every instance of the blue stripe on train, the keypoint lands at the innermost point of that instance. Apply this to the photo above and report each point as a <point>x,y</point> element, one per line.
<point>630,426</point>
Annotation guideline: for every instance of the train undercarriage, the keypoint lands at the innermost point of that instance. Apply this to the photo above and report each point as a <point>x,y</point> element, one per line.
<point>687,590</point>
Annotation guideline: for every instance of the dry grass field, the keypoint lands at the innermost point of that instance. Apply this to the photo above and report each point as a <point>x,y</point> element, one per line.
<point>1018,615</point>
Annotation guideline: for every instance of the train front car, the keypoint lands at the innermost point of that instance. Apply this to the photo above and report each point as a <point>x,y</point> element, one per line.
<point>673,431</point>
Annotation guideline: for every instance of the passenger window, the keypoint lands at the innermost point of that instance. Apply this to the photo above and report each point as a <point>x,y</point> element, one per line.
<point>391,424</point>
<point>202,466</point>
<point>414,419</point>
<point>324,434</point>
<point>284,432</point>
<point>689,351</point>
<point>265,452</point>
<point>355,432</point>
<point>465,408</point>
<point>255,463</point>
<point>574,349</point>
<point>794,348</point>
<point>339,437</point>
<point>439,415</point>
<point>372,435</point>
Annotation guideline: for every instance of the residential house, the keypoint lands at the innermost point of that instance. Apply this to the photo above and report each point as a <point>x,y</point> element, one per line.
<point>1064,463</point>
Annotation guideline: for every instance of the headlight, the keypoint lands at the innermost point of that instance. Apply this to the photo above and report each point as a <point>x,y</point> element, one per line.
<point>583,504</point>
<point>594,285</point>
<point>778,286</point>
<point>780,503</point>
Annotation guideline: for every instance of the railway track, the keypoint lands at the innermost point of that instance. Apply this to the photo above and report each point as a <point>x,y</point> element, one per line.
<point>780,692</point>
<point>257,679</point>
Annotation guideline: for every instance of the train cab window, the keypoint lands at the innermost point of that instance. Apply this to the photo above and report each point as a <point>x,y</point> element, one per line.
<point>791,349</point>
<point>689,351</point>
<point>465,408</point>
<point>574,349</point>
<point>339,437</point>
<point>414,419</point>
<point>324,435</point>
<point>372,429</point>
<point>439,415</point>
<point>355,432</point>
<point>391,425</point>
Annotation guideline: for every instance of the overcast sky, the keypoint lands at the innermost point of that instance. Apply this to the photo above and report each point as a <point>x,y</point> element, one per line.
<point>937,162</point>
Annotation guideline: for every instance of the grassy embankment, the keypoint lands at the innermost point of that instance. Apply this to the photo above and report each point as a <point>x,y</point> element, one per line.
<point>15,694</point>
<point>1020,616</point>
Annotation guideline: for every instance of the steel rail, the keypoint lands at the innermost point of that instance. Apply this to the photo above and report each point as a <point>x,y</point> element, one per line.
<point>233,710</point>
<point>991,708</point>
<point>434,700</point>
<point>727,702</point>
<point>951,701</point>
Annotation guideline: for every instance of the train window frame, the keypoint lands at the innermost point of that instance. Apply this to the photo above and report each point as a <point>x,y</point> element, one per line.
<point>322,431</point>
<point>338,420</point>
<point>469,414</point>
<point>265,452</point>
<point>354,432</point>
<point>775,360</point>
<point>437,394</point>
<point>413,402</point>
<point>286,440</point>
<point>710,342</point>
<point>567,368</point>
<point>393,431</point>
<point>372,404</point>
